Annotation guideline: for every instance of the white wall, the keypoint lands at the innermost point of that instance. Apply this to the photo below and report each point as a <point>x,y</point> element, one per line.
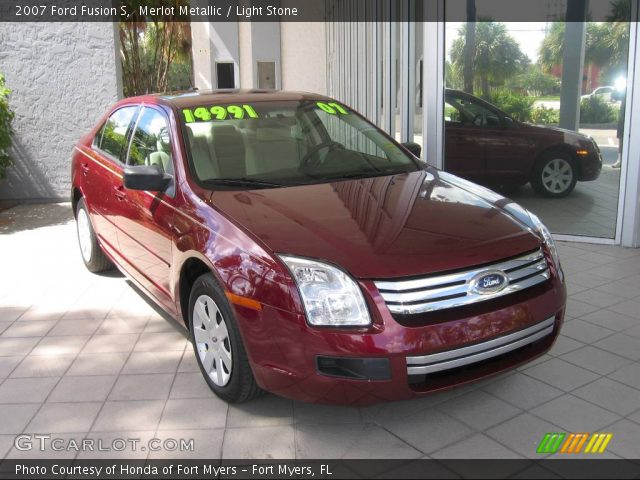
<point>304,56</point>
<point>265,38</point>
<point>259,42</point>
<point>214,42</point>
<point>63,77</point>
<point>225,46</point>
<point>203,65</point>
<point>246,67</point>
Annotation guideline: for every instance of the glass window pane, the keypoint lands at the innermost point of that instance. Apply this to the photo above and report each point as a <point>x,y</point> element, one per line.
<point>150,144</point>
<point>113,135</point>
<point>291,143</point>
<point>535,110</point>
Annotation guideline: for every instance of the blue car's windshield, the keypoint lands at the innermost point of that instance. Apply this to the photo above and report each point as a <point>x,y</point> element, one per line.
<point>269,144</point>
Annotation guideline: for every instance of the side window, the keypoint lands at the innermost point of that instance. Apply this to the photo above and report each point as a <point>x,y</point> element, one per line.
<point>452,112</point>
<point>112,138</point>
<point>477,114</point>
<point>350,137</point>
<point>151,144</point>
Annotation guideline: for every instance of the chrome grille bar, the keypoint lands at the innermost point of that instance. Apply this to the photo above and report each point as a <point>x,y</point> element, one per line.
<point>459,357</point>
<point>454,289</point>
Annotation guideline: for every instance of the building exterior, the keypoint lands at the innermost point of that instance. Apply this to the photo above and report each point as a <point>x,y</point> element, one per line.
<point>391,72</point>
<point>371,65</point>
<point>63,76</point>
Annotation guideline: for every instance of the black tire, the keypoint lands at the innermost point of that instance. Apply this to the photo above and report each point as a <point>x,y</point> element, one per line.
<point>554,185</point>
<point>241,385</point>
<point>95,260</point>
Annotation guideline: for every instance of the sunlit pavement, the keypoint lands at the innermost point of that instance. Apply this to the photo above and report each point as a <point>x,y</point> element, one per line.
<point>85,355</point>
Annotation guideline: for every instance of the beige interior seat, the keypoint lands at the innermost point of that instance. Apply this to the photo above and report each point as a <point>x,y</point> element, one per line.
<point>229,150</point>
<point>162,160</point>
<point>272,147</point>
<point>203,161</point>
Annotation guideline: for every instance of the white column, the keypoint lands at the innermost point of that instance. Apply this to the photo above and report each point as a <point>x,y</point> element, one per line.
<point>407,76</point>
<point>202,57</point>
<point>572,66</point>
<point>389,78</point>
<point>629,220</point>
<point>433,79</point>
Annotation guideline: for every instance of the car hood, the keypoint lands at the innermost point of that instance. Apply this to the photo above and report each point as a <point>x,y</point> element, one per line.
<point>568,136</point>
<point>382,227</point>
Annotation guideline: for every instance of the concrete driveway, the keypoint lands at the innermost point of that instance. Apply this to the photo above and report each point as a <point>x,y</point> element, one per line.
<point>86,356</point>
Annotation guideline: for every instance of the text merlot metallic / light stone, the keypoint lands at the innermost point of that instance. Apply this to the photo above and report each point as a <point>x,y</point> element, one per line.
<point>219,11</point>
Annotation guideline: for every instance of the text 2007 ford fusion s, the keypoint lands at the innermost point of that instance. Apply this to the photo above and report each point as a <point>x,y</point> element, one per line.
<point>307,253</point>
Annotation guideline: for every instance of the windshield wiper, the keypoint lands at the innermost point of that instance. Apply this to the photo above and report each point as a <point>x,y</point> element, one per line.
<point>243,181</point>
<point>350,176</point>
<point>356,175</point>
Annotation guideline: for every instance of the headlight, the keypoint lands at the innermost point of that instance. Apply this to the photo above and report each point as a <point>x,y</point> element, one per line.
<point>330,296</point>
<point>544,232</point>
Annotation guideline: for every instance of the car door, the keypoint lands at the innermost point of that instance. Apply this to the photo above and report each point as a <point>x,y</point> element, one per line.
<point>464,147</point>
<point>502,153</point>
<point>145,230</point>
<point>509,152</point>
<point>105,193</point>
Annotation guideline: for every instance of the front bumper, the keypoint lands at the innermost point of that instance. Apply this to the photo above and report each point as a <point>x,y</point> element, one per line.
<point>590,164</point>
<point>294,360</point>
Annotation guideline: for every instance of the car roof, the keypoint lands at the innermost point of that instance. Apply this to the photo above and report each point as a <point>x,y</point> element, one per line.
<point>198,97</point>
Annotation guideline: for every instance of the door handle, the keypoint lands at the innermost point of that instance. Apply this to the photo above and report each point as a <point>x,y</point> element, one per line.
<point>85,168</point>
<point>119,192</point>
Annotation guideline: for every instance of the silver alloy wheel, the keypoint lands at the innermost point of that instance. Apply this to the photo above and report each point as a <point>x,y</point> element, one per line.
<point>84,234</point>
<point>557,175</point>
<point>212,340</point>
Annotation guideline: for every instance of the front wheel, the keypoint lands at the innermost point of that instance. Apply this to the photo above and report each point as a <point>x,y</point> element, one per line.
<point>554,176</point>
<point>217,343</point>
<point>94,258</point>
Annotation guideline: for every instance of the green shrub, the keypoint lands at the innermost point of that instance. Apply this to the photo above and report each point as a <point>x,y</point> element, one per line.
<point>518,106</point>
<point>595,110</point>
<point>6,116</point>
<point>544,116</point>
<point>535,82</point>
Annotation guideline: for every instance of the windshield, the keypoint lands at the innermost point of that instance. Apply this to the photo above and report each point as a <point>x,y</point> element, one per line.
<point>274,144</point>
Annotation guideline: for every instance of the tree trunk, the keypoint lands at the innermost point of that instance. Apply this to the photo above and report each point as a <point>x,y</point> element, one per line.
<point>469,46</point>
<point>485,85</point>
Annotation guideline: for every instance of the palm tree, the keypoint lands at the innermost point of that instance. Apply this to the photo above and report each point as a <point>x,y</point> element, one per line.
<point>606,45</point>
<point>496,54</point>
<point>149,50</point>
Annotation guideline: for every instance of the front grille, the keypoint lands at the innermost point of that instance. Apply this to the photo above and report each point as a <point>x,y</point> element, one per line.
<point>451,359</point>
<point>428,294</point>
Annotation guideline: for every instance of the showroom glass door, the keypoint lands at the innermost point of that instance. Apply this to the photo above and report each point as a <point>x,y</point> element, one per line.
<point>539,106</point>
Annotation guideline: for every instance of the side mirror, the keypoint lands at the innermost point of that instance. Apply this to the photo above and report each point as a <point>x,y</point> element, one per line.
<point>414,148</point>
<point>146,177</point>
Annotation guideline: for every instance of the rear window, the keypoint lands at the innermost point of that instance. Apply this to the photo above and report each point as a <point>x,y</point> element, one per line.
<point>286,143</point>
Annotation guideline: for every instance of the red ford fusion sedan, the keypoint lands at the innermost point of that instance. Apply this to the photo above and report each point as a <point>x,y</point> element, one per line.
<point>307,253</point>
<point>488,146</point>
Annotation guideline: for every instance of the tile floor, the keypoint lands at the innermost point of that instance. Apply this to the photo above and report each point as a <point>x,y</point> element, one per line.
<point>85,355</point>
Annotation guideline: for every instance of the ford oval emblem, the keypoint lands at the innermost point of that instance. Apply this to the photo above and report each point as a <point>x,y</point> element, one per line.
<point>489,282</point>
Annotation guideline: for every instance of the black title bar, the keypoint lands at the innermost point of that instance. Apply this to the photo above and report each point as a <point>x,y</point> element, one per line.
<point>314,10</point>
<point>318,469</point>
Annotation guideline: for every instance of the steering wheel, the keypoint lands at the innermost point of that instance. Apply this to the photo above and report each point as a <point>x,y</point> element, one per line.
<point>331,145</point>
<point>476,118</point>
